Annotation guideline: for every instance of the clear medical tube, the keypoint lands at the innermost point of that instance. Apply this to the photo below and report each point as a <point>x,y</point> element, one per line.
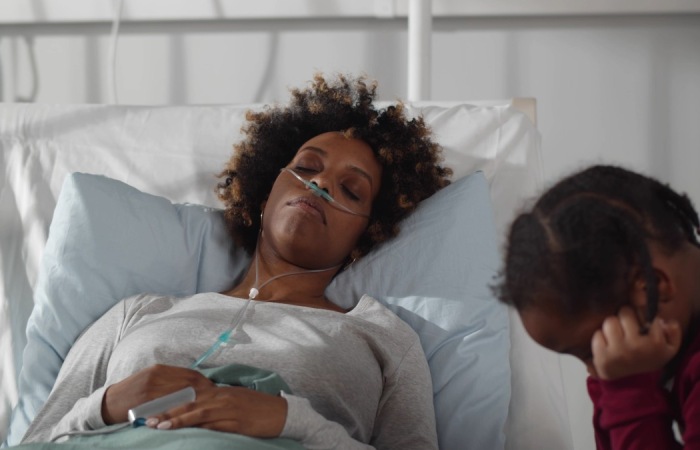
<point>318,192</point>
<point>223,339</point>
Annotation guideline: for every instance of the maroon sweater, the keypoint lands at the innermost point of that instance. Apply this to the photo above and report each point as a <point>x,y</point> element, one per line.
<point>637,412</point>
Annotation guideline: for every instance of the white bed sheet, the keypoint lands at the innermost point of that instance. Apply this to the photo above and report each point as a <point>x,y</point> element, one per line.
<point>494,138</point>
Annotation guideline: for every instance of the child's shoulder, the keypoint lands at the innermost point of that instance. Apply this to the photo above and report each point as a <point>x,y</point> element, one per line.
<point>689,364</point>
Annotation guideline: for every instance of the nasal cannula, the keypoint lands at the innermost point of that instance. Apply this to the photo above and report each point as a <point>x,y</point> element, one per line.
<point>318,192</point>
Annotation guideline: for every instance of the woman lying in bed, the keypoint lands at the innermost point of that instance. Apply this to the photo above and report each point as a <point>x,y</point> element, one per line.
<point>314,186</point>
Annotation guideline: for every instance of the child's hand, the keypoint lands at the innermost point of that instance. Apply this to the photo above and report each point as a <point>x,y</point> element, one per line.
<point>619,349</point>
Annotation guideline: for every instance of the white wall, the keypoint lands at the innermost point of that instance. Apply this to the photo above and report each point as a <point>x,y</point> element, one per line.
<point>620,89</point>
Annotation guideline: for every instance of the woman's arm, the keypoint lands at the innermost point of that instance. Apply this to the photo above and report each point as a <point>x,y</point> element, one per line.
<point>76,398</point>
<point>313,430</point>
<point>257,414</point>
<point>406,417</point>
<point>80,401</point>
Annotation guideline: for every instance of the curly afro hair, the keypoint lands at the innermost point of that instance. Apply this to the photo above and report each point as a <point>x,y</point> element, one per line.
<point>409,158</point>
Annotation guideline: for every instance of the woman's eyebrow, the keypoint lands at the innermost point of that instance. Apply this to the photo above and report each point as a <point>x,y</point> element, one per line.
<point>320,151</point>
<point>356,169</point>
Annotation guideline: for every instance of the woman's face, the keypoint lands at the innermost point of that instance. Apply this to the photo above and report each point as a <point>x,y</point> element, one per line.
<point>305,229</point>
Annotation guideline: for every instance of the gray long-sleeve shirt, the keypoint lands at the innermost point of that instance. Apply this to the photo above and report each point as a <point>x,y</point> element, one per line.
<point>358,378</point>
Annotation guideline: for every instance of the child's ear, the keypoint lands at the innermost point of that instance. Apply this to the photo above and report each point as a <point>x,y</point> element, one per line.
<point>639,290</point>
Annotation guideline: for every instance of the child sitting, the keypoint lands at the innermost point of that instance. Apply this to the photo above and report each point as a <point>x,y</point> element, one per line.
<point>606,267</point>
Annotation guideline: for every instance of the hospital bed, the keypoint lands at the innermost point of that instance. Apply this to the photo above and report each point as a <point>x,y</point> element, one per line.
<point>148,174</point>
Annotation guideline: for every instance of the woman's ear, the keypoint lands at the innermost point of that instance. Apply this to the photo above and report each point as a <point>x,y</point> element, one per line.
<point>262,212</point>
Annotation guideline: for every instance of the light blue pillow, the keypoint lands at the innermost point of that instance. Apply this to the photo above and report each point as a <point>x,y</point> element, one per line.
<point>436,275</point>
<point>108,241</point>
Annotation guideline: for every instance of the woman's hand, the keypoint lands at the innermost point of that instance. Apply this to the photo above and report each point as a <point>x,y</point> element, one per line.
<point>147,384</point>
<point>229,409</point>
<point>619,349</point>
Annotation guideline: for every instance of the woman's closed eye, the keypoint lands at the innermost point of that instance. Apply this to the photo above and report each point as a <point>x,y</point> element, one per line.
<point>350,194</point>
<point>305,169</point>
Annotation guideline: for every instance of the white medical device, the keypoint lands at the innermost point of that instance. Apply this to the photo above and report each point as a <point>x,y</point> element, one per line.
<point>137,416</point>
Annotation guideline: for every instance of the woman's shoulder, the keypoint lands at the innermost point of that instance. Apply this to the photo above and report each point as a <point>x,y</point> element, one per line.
<point>385,319</point>
<point>370,307</point>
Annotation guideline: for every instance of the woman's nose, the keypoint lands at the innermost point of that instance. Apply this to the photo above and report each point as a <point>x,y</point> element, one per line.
<point>322,180</point>
<point>322,188</point>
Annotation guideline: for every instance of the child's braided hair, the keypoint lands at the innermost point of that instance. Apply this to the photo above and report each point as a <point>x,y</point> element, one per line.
<point>587,237</point>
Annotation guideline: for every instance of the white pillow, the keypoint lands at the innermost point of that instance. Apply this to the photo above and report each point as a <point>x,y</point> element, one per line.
<point>108,241</point>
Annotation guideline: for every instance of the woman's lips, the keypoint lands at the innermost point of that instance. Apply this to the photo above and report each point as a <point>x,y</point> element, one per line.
<point>311,205</point>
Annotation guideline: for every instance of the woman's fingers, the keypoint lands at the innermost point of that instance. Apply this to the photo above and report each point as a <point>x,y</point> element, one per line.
<point>145,385</point>
<point>197,415</point>
<point>229,409</point>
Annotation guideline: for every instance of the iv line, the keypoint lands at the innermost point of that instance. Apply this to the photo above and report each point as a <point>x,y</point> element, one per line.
<point>225,337</point>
